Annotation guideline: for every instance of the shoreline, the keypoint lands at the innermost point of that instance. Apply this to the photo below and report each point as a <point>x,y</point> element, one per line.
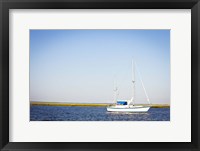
<point>90,104</point>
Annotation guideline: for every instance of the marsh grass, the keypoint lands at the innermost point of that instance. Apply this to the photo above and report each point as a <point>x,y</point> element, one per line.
<point>90,104</point>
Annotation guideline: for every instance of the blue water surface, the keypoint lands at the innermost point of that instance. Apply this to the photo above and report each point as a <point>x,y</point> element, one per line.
<point>60,113</point>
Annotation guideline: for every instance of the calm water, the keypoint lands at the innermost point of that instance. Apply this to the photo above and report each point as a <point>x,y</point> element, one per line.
<point>56,113</point>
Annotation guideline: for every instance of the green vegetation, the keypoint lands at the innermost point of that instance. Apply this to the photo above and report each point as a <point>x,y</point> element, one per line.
<point>89,104</point>
<point>66,104</point>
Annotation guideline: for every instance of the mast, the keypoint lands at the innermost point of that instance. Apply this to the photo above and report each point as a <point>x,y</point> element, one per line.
<point>115,91</point>
<point>133,81</point>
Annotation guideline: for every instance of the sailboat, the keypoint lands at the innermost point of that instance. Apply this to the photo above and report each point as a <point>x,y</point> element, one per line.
<point>129,105</point>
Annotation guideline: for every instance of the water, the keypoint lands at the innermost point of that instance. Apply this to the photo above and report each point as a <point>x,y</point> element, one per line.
<point>57,113</point>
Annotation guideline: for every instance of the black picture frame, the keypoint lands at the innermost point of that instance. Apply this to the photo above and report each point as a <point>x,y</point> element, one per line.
<point>5,5</point>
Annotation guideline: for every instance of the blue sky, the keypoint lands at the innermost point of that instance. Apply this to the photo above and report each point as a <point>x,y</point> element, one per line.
<point>81,65</point>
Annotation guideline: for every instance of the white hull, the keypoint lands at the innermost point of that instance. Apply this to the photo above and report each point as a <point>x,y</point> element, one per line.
<point>128,109</point>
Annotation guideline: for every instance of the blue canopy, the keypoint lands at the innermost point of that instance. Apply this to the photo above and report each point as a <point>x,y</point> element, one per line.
<point>122,102</point>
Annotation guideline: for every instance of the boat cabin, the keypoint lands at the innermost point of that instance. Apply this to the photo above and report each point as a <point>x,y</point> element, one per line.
<point>122,102</point>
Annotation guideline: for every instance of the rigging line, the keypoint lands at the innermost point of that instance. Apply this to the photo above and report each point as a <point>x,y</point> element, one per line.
<point>142,83</point>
